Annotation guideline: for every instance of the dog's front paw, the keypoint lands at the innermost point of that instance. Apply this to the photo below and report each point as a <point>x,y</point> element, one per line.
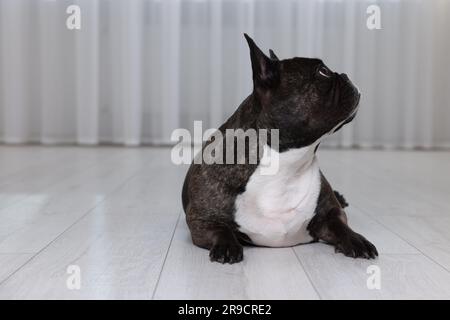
<point>226,252</point>
<point>356,246</point>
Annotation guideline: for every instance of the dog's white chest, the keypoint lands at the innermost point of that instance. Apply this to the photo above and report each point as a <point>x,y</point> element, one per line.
<point>275,209</point>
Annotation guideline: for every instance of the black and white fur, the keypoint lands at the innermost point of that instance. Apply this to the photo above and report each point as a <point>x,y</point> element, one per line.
<point>228,206</point>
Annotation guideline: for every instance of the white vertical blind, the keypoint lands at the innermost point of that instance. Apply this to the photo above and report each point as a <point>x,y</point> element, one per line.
<point>139,69</point>
<point>15,85</point>
<point>87,74</point>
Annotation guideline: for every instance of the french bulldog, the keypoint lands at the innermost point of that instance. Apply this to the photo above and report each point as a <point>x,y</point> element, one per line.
<point>231,205</point>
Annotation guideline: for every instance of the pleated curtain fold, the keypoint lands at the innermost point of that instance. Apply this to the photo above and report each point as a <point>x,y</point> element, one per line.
<point>138,69</point>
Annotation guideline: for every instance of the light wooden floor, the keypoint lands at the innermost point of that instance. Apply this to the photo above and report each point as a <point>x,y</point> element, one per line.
<point>116,213</point>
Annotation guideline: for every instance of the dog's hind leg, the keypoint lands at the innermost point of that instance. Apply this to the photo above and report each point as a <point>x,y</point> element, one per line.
<point>341,199</point>
<point>219,238</point>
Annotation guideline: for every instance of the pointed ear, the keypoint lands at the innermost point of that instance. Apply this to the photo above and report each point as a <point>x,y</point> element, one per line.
<point>265,70</point>
<point>273,56</point>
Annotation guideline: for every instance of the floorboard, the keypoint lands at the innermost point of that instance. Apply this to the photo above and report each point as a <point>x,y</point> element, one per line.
<point>265,273</point>
<point>116,214</point>
<point>119,246</point>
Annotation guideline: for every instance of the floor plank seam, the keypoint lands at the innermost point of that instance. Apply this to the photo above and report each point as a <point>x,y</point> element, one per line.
<point>16,253</point>
<point>307,274</point>
<point>397,186</point>
<point>31,167</point>
<point>27,167</point>
<point>404,239</point>
<point>165,257</point>
<point>89,211</point>
<point>53,183</point>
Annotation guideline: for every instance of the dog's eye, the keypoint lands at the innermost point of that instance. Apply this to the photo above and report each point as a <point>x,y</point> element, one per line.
<point>325,72</point>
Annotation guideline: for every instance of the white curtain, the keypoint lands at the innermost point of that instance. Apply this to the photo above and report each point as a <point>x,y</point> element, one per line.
<point>138,69</point>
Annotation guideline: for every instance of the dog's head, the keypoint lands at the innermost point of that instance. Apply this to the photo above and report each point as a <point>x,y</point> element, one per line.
<point>302,97</point>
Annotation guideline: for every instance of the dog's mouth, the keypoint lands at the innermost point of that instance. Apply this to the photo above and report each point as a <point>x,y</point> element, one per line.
<point>355,110</point>
<point>350,117</point>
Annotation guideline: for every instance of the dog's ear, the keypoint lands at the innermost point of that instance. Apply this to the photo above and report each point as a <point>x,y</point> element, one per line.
<point>266,73</point>
<point>273,56</point>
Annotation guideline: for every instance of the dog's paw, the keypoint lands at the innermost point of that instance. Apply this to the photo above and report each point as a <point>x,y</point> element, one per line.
<point>356,246</point>
<point>226,252</point>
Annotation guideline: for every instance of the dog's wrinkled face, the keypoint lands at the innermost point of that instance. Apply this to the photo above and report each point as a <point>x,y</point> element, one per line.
<point>301,96</point>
